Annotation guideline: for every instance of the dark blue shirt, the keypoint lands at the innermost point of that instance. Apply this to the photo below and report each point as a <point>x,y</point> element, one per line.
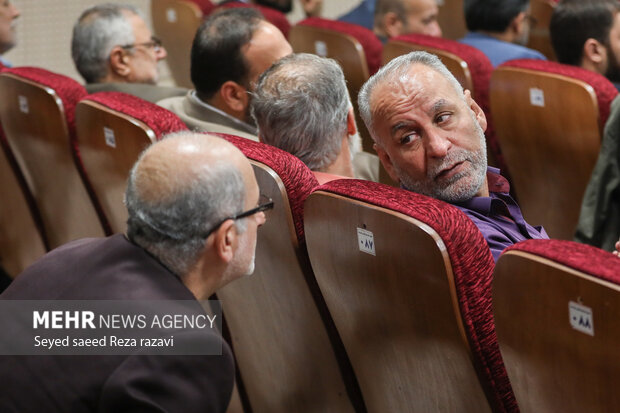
<point>362,15</point>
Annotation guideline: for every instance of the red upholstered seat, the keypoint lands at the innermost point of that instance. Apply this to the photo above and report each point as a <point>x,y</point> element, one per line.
<point>38,117</point>
<point>549,119</point>
<point>277,317</point>
<point>273,16</point>
<point>581,257</point>
<point>556,306</point>
<point>298,180</point>
<point>604,89</point>
<point>161,121</point>
<point>469,65</point>
<point>206,6</point>
<point>370,43</point>
<point>419,244</point>
<point>113,128</point>
<point>69,91</point>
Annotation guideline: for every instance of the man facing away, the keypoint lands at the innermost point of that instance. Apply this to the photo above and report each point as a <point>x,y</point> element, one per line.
<point>429,135</point>
<point>114,50</point>
<point>193,218</point>
<point>230,50</point>
<point>301,105</point>
<point>8,14</point>
<point>395,17</point>
<point>500,29</point>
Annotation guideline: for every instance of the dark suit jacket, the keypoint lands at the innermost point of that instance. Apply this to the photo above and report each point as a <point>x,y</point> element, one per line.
<point>100,269</point>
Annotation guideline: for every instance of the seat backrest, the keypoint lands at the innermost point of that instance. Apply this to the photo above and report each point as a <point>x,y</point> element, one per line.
<point>451,19</point>
<point>205,6</point>
<point>332,38</point>
<point>549,119</point>
<point>556,306</point>
<point>175,22</point>
<point>539,38</point>
<point>407,280</point>
<point>37,113</point>
<point>112,130</point>
<point>280,329</point>
<point>469,65</point>
<point>273,16</point>
<point>355,48</point>
<point>21,238</point>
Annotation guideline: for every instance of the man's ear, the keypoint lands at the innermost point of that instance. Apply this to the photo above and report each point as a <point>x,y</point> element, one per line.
<point>351,126</point>
<point>119,62</point>
<point>386,161</point>
<point>478,112</point>
<point>594,53</point>
<point>392,24</point>
<point>235,96</point>
<point>225,241</point>
<point>517,24</point>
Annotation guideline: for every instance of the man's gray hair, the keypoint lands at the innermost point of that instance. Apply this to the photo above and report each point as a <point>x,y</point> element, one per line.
<point>96,32</point>
<point>395,69</point>
<point>300,105</point>
<point>173,228</point>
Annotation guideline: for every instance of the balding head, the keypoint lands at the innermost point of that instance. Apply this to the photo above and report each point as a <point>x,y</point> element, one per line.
<point>180,189</point>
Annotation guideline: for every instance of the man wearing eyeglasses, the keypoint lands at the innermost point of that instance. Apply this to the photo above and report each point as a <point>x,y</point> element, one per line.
<point>114,50</point>
<point>500,29</point>
<point>194,210</point>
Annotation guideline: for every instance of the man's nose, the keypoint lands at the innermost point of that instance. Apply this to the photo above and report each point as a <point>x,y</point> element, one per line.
<point>437,144</point>
<point>434,30</point>
<point>161,53</point>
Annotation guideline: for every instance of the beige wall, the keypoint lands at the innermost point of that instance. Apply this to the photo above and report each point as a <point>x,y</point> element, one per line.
<point>44,30</point>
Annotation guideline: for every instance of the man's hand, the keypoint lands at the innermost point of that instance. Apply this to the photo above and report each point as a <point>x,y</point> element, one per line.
<point>312,7</point>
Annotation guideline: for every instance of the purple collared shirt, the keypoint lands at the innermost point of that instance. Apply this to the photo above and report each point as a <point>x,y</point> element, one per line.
<point>498,216</point>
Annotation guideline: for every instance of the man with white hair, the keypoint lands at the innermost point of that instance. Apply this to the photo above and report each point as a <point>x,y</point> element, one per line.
<point>301,105</point>
<point>8,14</point>
<point>429,135</point>
<point>194,210</point>
<point>114,50</point>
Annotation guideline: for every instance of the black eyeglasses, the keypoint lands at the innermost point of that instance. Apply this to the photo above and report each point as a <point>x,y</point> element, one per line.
<point>155,43</point>
<point>264,204</point>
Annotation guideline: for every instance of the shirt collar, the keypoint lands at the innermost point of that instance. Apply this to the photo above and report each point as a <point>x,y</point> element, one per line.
<point>5,62</point>
<point>242,125</point>
<point>499,189</point>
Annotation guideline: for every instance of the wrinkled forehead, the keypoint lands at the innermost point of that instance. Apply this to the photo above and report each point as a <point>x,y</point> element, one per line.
<point>415,84</point>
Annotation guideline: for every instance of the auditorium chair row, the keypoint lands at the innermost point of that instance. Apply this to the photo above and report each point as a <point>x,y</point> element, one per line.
<point>545,119</point>
<point>378,299</point>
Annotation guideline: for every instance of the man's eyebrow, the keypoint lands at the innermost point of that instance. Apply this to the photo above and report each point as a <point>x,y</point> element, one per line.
<point>439,105</point>
<point>399,126</point>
